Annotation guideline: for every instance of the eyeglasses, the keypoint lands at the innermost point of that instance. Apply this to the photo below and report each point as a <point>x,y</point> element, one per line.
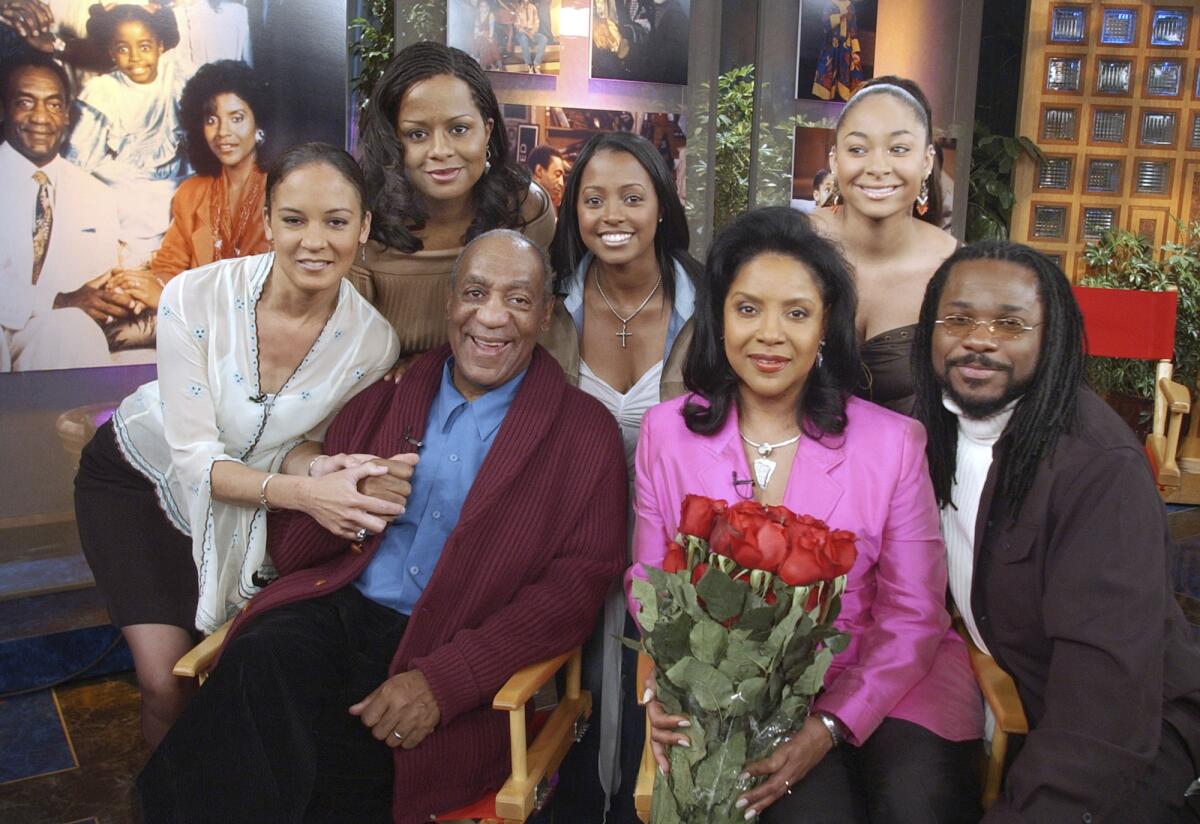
<point>960,326</point>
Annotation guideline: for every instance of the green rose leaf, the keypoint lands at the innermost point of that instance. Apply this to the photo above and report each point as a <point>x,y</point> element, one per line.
<point>681,780</point>
<point>647,598</point>
<point>723,596</point>
<point>709,687</point>
<point>814,676</point>
<point>707,640</point>
<point>663,807</point>
<point>671,640</point>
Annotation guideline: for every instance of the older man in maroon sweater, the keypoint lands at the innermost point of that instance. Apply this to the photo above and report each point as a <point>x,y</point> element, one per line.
<point>357,686</point>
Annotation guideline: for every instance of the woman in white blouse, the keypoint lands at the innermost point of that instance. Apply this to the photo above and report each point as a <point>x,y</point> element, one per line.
<point>255,356</point>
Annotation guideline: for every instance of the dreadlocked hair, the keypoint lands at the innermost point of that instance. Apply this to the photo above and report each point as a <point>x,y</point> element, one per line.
<point>1047,408</point>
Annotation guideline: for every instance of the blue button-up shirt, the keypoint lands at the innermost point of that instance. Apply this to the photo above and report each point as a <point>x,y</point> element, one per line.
<point>458,435</point>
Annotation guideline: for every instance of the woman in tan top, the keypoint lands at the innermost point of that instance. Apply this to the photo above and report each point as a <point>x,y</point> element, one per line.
<point>437,163</point>
<point>886,220</point>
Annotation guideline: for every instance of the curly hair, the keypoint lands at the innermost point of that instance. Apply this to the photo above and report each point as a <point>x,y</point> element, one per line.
<point>707,372</point>
<point>670,238</point>
<point>198,101</point>
<point>102,23</point>
<point>399,209</point>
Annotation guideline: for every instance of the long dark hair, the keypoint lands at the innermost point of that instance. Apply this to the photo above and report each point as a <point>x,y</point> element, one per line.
<point>706,372</point>
<point>198,101</point>
<point>924,113</point>
<point>307,154</point>
<point>1047,407</point>
<point>670,238</point>
<point>397,206</point>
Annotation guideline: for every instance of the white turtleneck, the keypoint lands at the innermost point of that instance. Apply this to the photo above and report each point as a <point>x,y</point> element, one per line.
<point>973,459</point>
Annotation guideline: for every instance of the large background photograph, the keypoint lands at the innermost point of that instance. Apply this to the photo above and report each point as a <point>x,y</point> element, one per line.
<point>85,248</point>
<point>516,36</point>
<point>836,48</point>
<point>641,40</point>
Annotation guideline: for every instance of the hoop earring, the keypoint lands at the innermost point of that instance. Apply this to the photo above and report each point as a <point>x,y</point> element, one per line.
<point>259,136</point>
<point>923,198</point>
<point>820,357</point>
<point>487,160</point>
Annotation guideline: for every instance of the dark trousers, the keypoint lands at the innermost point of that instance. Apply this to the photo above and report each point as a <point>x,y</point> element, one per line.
<point>269,736</point>
<point>902,774</point>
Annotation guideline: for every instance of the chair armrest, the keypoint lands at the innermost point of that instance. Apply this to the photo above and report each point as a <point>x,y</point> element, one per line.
<point>645,667</point>
<point>199,659</point>
<point>999,691</point>
<point>1177,395</point>
<point>526,681</point>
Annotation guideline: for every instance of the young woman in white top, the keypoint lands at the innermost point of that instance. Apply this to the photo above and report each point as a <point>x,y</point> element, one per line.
<point>620,331</point>
<point>255,356</point>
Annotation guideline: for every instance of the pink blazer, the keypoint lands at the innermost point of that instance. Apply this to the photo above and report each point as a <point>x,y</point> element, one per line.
<point>903,661</point>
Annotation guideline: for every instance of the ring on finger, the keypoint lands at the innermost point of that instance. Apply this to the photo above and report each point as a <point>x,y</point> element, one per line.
<point>399,737</point>
<point>361,536</point>
<point>788,785</point>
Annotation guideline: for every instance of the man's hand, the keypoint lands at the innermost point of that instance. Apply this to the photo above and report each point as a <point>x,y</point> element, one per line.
<point>396,485</point>
<point>401,711</point>
<point>140,284</point>
<point>32,19</point>
<point>101,305</point>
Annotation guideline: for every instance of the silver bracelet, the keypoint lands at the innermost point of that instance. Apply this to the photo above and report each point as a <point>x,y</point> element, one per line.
<point>832,725</point>
<point>313,463</point>
<point>262,494</point>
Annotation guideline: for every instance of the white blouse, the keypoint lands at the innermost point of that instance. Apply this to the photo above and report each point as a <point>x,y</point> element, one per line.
<point>206,407</point>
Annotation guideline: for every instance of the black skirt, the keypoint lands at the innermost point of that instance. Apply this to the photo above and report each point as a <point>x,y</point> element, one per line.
<point>142,564</point>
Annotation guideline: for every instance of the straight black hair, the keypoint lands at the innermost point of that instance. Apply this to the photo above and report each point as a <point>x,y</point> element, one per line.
<point>307,154</point>
<point>671,238</point>
<point>707,373</point>
<point>1047,407</point>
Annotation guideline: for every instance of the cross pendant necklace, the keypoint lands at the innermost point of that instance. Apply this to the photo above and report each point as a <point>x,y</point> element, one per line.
<point>624,334</point>
<point>764,467</point>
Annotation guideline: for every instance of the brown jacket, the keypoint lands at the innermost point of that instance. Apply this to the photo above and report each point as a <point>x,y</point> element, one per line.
<point>1074,601</point>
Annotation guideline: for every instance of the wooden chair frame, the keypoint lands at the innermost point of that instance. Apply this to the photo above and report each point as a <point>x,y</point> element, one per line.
<point>533,763</point>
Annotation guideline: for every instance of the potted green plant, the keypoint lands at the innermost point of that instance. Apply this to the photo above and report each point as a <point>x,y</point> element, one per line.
<point>1125,260</point>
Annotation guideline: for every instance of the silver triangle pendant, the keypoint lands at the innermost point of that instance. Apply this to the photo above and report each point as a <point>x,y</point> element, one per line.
<point>764,468</point>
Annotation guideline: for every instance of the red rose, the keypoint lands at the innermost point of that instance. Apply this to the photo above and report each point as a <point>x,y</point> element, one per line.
<point>842,551</point>
<point>772,546</point>
<point>744,519</point>
<point>697,515</point>
<point>806,563</point>
<point>781,514</point>
<point>800,568</point>
<point>675,559</point>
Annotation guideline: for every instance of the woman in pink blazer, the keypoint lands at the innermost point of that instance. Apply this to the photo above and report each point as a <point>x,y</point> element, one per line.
<point>770,417</point>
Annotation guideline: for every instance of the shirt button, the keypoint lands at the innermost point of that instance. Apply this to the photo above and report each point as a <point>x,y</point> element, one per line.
<point>414,569</point>
<point>1087,818</point>
<point>453,459</point>
<point>436,515</point>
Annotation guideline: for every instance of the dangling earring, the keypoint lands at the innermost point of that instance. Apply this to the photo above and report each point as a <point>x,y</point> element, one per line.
<point>820,357</point>
<point>487,160</point>
<point>835,196</point>
<point>923,198</point>
<point>362,252</point>
<point>259,136</point>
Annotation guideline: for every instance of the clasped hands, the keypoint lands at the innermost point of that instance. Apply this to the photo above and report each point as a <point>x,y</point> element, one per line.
<point>115,295</point>
<point>784,768</point>
<point>359,492</point>
<point>401,711</point>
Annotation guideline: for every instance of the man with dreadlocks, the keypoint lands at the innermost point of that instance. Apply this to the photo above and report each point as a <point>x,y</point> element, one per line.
<point>1057,546</point>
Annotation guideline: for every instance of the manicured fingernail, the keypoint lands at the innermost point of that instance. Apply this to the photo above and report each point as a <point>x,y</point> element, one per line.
<point>683,742</point>
<point>743,776</point>
<point>750,814</point>
<point>684,723</point>
<point>647,695</point>
<point>741,802</point>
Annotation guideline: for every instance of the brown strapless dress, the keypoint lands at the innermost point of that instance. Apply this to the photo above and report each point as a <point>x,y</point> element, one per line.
<point>887,370</point>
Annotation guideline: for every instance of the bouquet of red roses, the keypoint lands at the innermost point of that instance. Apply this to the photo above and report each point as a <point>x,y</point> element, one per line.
<point>739,623</point>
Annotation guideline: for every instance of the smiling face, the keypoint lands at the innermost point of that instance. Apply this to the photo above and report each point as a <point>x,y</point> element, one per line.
<point>881,156</point>
<point>35,114</point>
<point>774,321</point>
<point>979,372</point>
<point>316,223</point>
<point>618,209</point>
<point>496,311</point>
<point>136,50</point>
<point>229,128</point>
<point>444,136</point>
<point>553,178</point>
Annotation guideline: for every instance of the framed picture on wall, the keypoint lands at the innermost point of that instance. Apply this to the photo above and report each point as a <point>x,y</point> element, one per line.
<point>515,36</point>
<point>527,138</point>
<point>835,49</point>
<point>641,40</point>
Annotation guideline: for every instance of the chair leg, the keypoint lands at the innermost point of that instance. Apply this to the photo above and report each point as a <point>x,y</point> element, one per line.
<point>993,772</point>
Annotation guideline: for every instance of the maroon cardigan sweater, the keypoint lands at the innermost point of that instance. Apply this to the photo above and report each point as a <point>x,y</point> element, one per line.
<point>540,540</point>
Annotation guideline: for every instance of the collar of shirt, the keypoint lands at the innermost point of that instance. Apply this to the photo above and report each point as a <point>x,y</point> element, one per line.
<point>15,167</point>
<point>985,431</point>
<point>681,308</point>
<point>487,411</point>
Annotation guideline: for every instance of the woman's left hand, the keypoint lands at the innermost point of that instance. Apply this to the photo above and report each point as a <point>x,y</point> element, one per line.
<point>786,767</point>
<point>140,284</point>
<point>323,465</point>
